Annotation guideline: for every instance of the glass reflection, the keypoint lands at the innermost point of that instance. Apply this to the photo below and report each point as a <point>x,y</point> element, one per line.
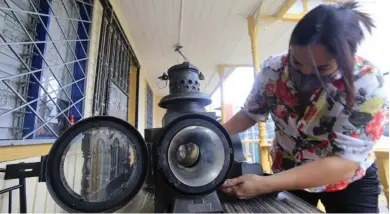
<point>201,163</point>
<point>98,164</point>
<point>58,80</point>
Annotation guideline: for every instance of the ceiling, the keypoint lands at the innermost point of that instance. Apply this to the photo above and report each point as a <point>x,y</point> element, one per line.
<point>212,32</point>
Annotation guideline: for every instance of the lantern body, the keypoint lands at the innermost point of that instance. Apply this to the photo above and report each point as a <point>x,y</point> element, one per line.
<point>186,167</point>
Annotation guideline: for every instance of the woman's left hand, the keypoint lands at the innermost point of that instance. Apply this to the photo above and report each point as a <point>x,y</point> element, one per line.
<point>246,186</point>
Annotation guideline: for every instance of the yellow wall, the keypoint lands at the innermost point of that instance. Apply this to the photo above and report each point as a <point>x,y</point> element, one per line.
<point>142,103</point>
<point>131,116</point>
<point>9,153</point>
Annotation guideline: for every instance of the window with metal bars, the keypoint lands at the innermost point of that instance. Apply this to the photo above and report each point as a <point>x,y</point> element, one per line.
<point>149,107</point>
<point>43,58</point>
<point>113,70</point>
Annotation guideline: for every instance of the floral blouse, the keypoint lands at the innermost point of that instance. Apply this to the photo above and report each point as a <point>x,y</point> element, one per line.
<point>326,127</point>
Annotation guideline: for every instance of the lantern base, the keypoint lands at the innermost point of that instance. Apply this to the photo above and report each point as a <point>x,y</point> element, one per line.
<point>205,204</point>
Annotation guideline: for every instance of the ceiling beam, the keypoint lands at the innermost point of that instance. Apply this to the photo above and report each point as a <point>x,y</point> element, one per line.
<point>292,16</point>
<point>283,16</point>
<point>286,18</point>
<point>224,71</point>
<point>284,9</point>
<point>253,25</point>
<point>254,19</point>
<point>305,6</point>
<point>221,74</point>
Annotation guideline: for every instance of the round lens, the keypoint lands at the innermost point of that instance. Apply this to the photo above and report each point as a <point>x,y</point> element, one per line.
<point>195,155</point>
<point>98,164</point>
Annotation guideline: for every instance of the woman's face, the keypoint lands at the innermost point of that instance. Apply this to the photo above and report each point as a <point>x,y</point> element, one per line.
<point>301,59</point>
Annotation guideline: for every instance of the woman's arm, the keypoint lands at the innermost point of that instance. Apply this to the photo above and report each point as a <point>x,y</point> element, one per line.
<point>321,172</point>
<point>238,123</point>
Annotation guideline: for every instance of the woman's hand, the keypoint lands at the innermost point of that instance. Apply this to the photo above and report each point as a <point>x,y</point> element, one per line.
<point>246,186</point>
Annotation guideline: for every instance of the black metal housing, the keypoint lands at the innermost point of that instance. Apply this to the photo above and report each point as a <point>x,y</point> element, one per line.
<point>185,105</point>
<point>162,152</point>
<point>57,188</point>
<point>184,92</point>
<point>167,198</point>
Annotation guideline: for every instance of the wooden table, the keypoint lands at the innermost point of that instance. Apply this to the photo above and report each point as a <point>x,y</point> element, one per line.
<point>284,202</point>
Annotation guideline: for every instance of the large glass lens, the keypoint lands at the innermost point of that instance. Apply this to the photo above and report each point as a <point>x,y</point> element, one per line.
<point>98,164</point>
<point>196,155</point>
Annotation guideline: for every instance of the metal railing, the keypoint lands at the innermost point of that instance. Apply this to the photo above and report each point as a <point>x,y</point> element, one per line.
<point>43,58</point>
<point>21,171</point>
<point>9,191</point>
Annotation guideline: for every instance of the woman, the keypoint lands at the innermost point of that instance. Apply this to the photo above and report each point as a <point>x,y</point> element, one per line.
<point>328,108</point>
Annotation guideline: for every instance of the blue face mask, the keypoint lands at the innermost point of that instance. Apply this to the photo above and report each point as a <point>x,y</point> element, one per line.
<point>308,83</point>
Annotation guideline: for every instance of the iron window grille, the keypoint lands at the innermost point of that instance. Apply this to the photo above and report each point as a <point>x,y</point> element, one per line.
<point>43,59</point>
<point>113,69</point>
<point>149,107</point>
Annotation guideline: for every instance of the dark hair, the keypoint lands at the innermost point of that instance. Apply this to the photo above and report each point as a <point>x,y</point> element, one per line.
<point>337,27</point>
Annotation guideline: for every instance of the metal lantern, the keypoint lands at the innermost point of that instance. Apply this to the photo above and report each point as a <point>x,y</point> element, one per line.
<point>192,153</point>
<point>102,163</point>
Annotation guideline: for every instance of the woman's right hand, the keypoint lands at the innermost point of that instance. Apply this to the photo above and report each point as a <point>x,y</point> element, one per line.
<point>246,186</point>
